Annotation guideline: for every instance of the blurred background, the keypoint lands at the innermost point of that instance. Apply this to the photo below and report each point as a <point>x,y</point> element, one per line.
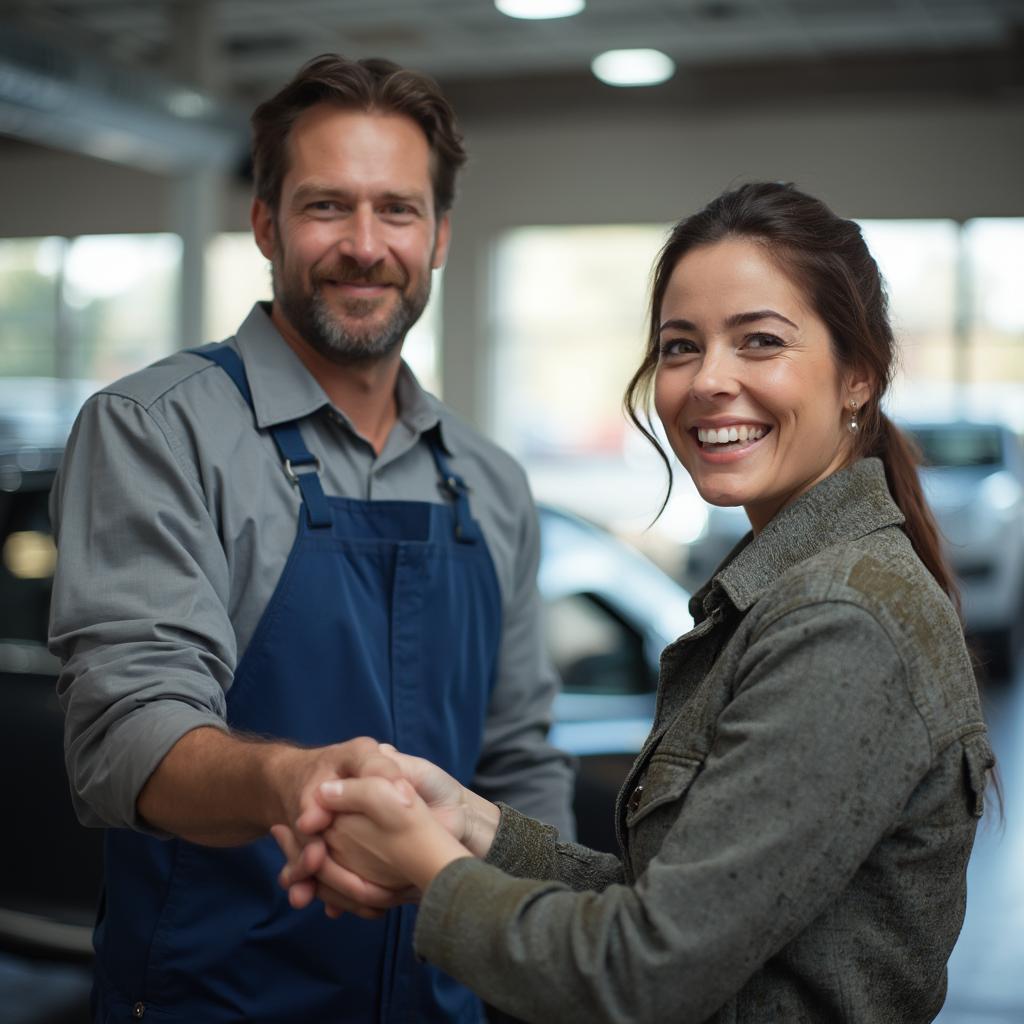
<point>124,235</point>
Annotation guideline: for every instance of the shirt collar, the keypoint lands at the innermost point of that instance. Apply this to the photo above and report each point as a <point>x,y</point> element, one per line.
<point>849,504</point>
<point>284,390</point>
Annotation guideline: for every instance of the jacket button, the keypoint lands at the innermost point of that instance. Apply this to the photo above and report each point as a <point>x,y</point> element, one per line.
<point>138,1010</point>
<point>635,797</point>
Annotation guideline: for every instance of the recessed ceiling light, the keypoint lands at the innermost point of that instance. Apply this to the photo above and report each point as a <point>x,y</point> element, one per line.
<point>537,9</point>
<point>633,67</point>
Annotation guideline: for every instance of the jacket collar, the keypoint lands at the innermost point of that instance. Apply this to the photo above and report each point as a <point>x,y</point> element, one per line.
<point>849,504</point>
<point>284,390</point>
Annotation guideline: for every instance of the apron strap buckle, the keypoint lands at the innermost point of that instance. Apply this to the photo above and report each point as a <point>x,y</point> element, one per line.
<point>310,465</point>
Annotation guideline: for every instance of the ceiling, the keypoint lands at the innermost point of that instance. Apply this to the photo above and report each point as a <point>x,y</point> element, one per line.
<point>243,49</point>
<point>167,85</point>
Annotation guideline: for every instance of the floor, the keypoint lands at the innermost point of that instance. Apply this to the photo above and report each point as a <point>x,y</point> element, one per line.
<point>986,971</point>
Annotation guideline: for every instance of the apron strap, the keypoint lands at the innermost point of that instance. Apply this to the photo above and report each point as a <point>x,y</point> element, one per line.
<point>301,466</point>
<point>465,532</point>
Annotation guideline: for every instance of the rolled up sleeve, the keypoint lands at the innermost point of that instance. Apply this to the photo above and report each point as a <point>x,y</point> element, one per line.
<point>139,611</point>
<point>813,760</point>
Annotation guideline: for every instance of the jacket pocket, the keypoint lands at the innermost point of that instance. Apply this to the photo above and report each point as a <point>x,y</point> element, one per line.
<point>665,781</point>
<point>978,762</point>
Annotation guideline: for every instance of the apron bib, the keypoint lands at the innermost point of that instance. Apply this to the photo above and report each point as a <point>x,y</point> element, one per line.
<point>386,622</point>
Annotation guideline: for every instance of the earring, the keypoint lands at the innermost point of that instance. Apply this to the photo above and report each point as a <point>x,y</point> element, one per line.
<point>853,425</point>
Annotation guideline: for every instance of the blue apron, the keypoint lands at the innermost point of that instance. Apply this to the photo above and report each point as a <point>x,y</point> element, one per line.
<point>385,622</point>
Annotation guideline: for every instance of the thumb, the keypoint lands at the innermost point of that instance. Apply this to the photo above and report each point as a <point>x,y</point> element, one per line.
<point>364,796</point>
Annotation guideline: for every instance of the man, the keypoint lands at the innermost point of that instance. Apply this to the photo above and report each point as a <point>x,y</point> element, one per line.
<point>276,544</point>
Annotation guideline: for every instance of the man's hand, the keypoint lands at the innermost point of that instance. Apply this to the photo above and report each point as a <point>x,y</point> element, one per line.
<point>311,872</point>
<point>296,775</point>
<point>223,789</point>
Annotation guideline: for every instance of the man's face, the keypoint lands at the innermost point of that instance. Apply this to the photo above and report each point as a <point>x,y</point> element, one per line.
<point>355,236</point>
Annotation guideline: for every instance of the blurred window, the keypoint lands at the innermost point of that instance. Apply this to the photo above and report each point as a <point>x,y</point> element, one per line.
<point>569,330</point>
<point>30,270</point>
<point>959,445</point>
<point>237,275</point>
<point>992,252</point>
<point>918,260</point>
<point>96,306</point>
<point>569,314</point>
<point>122,294</point>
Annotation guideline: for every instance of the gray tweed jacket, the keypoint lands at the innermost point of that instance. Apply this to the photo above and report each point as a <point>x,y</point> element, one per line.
<point>795,831</point>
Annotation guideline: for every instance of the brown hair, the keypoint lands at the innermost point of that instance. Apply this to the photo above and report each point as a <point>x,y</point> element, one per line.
<point>371,85</point>
<point>826,255</point>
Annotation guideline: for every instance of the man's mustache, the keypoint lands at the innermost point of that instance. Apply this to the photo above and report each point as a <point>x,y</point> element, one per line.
<point>348,271</point>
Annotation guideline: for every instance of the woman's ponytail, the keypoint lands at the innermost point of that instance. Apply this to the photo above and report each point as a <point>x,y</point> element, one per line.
<point>901,458</point>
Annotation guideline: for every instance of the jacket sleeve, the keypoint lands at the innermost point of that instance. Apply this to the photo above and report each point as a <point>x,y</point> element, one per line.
<point>138,615</point>
<point>813,760</point>
<point>517,765</point>
<point>527,848</point>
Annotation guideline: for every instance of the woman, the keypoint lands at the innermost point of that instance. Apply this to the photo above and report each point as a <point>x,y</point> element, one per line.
<point>795,831</point>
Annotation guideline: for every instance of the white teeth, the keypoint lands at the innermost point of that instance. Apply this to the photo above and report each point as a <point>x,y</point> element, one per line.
<point>727,435</point>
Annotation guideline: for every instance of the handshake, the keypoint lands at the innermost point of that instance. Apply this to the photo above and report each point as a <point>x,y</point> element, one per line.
<point>374,828</point>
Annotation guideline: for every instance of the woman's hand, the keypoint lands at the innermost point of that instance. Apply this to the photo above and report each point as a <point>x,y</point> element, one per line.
<point>466,816</point>
<point>343,891</point>
<point>385,827</point>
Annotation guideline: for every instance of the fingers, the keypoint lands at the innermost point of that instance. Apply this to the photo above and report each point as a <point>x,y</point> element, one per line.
<point>343,891</point>
<point>314,817</point>
<point>355,756</point>
<point>302,860</point>
<point>301,894</point>
<point>286,841</point>
<point>372,796</point>
<point>343,884</point>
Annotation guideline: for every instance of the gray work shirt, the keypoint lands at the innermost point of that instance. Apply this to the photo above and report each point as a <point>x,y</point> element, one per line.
<point>795,831</point>
<point>174,519</point>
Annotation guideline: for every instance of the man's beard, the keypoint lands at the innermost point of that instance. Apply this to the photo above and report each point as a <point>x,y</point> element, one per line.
<point>324,330</point>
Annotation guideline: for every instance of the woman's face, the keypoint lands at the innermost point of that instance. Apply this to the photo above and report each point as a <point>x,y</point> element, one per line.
<point>747,386</point>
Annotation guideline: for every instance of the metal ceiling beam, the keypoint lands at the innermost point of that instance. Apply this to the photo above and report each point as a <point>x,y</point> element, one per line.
<point>55,96</point>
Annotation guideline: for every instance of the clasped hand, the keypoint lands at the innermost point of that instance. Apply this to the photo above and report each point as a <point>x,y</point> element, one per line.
<point>391,825</point>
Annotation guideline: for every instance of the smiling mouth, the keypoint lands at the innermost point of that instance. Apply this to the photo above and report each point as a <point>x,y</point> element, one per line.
<point>732,438</point>
<point>375,285</point>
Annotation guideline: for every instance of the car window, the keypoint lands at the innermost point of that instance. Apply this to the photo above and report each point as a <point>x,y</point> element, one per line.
<point>592,648</point>
<point>959,446</point>
<point>27,560</point>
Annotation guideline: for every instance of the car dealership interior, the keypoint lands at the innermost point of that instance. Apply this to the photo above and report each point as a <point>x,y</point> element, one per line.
<point>591,128</point>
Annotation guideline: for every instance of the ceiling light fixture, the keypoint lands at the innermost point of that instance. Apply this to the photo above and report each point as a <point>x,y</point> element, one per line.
<point>538,9</point>
<point>633,67</point>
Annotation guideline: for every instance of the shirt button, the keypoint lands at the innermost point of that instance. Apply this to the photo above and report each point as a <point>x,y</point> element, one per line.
<point>635,797</point>
<point>138,1010</point>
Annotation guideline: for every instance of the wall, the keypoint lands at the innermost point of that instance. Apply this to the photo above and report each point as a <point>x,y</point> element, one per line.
<point>903,158</point>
